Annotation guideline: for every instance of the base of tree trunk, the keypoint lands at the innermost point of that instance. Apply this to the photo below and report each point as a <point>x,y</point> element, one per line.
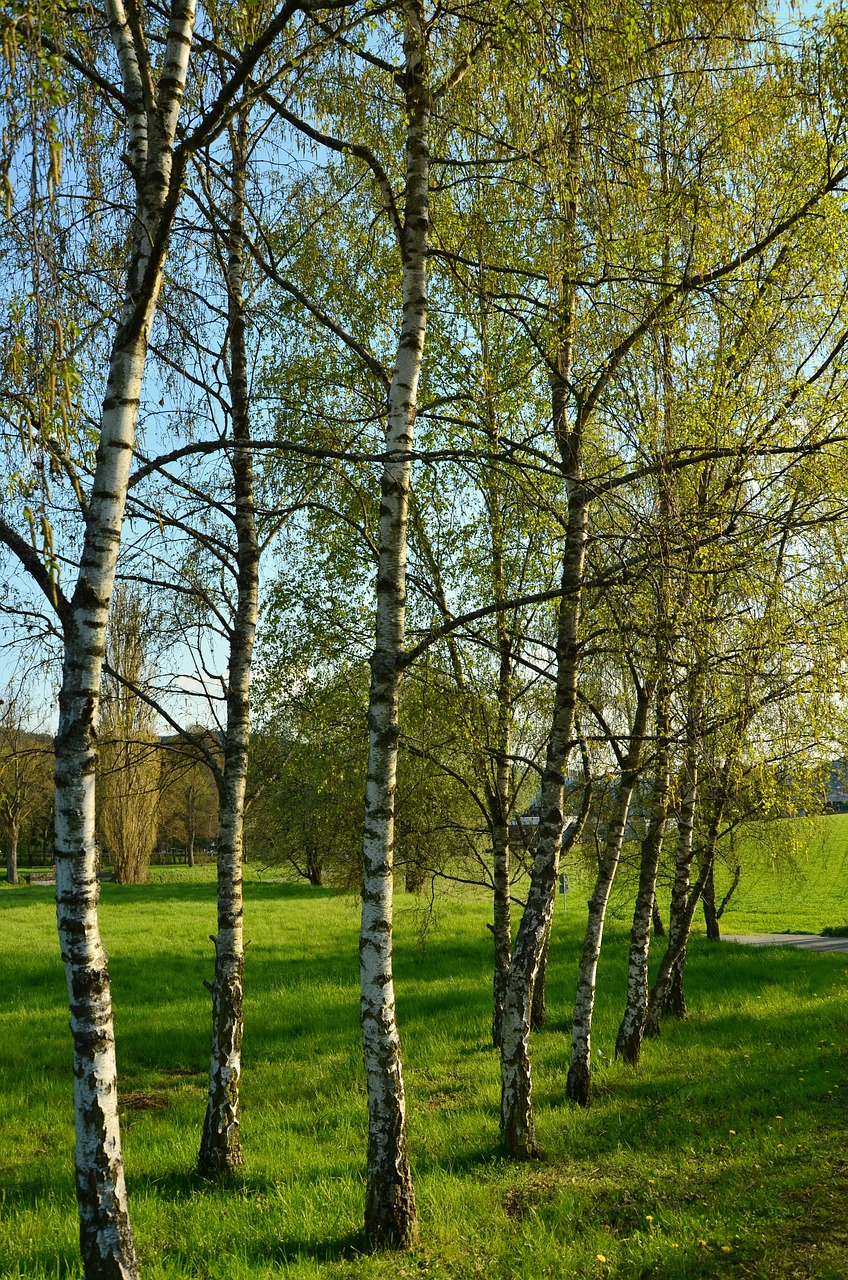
<point>628,1044</point>
<point>578,1085</point>
<point>521,1145</point>
<point>220,1146</point>
<point>391,1218</point>
<point>218,1158</point>
<point>652,1025</point>
<point>518,1132</point>
<point>675,996</point>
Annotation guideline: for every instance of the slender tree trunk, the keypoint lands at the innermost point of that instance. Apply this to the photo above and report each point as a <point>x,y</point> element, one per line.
<point>572,833</point>
<point>12,855</point>
<point>106,1238</point>
<point>105,1232</point>
<point>539,1001</point>
<point>220,1147</point>
<point>679,937</point>
<point>656,919</point>
<point>708,902</point>
<point>517,1128</point>
<point>667,994</point>
<point>390,1213</point>
<point>502,929</point>
<point>734,885</point>
<point>190,850</point>
<point>315,871</point>
<point>628,1043</point>
<point>579,1081</point>
<point>518,1133</point>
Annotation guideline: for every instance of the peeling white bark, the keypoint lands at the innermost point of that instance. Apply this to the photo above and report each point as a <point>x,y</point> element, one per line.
<point>518,1133</point>
<point>677,928</point>
<point>628,1043</point>
<point>105,1232</point>
<point>220,1148</point>
<point>390,1211</point>
<point>579,1081</point>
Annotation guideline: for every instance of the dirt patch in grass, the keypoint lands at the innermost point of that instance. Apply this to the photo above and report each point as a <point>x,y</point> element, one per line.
<point>538,1187</point>
<point>138,1101</point>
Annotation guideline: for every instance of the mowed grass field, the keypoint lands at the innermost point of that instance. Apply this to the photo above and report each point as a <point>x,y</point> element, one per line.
<point>724,1154</point>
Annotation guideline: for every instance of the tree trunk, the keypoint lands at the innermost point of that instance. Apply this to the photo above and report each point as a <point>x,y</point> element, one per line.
<point>628,1043</point>
<point>668,987</point>
<point>391,1218</point>
<point>502,927</point>
<point>676,953</point>
<point>314,871</point>
<point>12,855</point>
<point>579,1081</point>
<point>220,1147</point>
<point>708,902</point>
<point>190,850</point>
<point>105,1232</point>
<point>656,919</point>
<point>518,1133</point>
<point>517,1128</point>
<point>734,885</point>
<point>539,1001</point>
<point>106,1238</point>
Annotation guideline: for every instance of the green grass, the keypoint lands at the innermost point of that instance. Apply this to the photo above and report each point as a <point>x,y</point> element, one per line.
<point>794,879</point>
<point>643,1178</point>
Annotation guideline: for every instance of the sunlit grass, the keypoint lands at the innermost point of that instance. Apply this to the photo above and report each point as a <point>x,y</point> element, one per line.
<point>731,1133</point>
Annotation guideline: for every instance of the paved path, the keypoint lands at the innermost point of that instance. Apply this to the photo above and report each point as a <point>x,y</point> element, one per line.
<point>809,941</point>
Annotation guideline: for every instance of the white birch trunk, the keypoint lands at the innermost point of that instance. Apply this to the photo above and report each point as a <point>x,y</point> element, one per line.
<point>676,954</point>
<point>390,1212</point>
<point>105,1232</point>
<point>684,853</point>
<point>579,1081</point>
<point>499,809</point>
<point>220,1148</point>
<point>518,1133</point>
<point>628,1043</point>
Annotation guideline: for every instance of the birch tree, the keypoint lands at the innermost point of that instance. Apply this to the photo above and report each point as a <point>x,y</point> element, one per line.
<point>146,100</point>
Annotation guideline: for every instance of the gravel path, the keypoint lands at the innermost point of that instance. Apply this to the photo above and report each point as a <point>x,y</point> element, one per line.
<point>809,941</point>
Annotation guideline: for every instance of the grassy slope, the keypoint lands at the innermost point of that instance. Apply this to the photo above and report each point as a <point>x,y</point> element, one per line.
<point>723,1155</point>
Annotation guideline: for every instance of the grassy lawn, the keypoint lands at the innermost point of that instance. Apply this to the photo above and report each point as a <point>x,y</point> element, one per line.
<point>723,1155</point>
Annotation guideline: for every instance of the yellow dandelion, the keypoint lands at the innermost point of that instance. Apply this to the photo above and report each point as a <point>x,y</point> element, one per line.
<point>674,1246</point>
<point>725,1248</point>
<point>600,1257</point>
<point>649,1217</point>
<point>702,1243</point>
<point>650,1182</point>
<point>778,1117</point>
<point>780,1144</point>
<point>733,1131</point>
